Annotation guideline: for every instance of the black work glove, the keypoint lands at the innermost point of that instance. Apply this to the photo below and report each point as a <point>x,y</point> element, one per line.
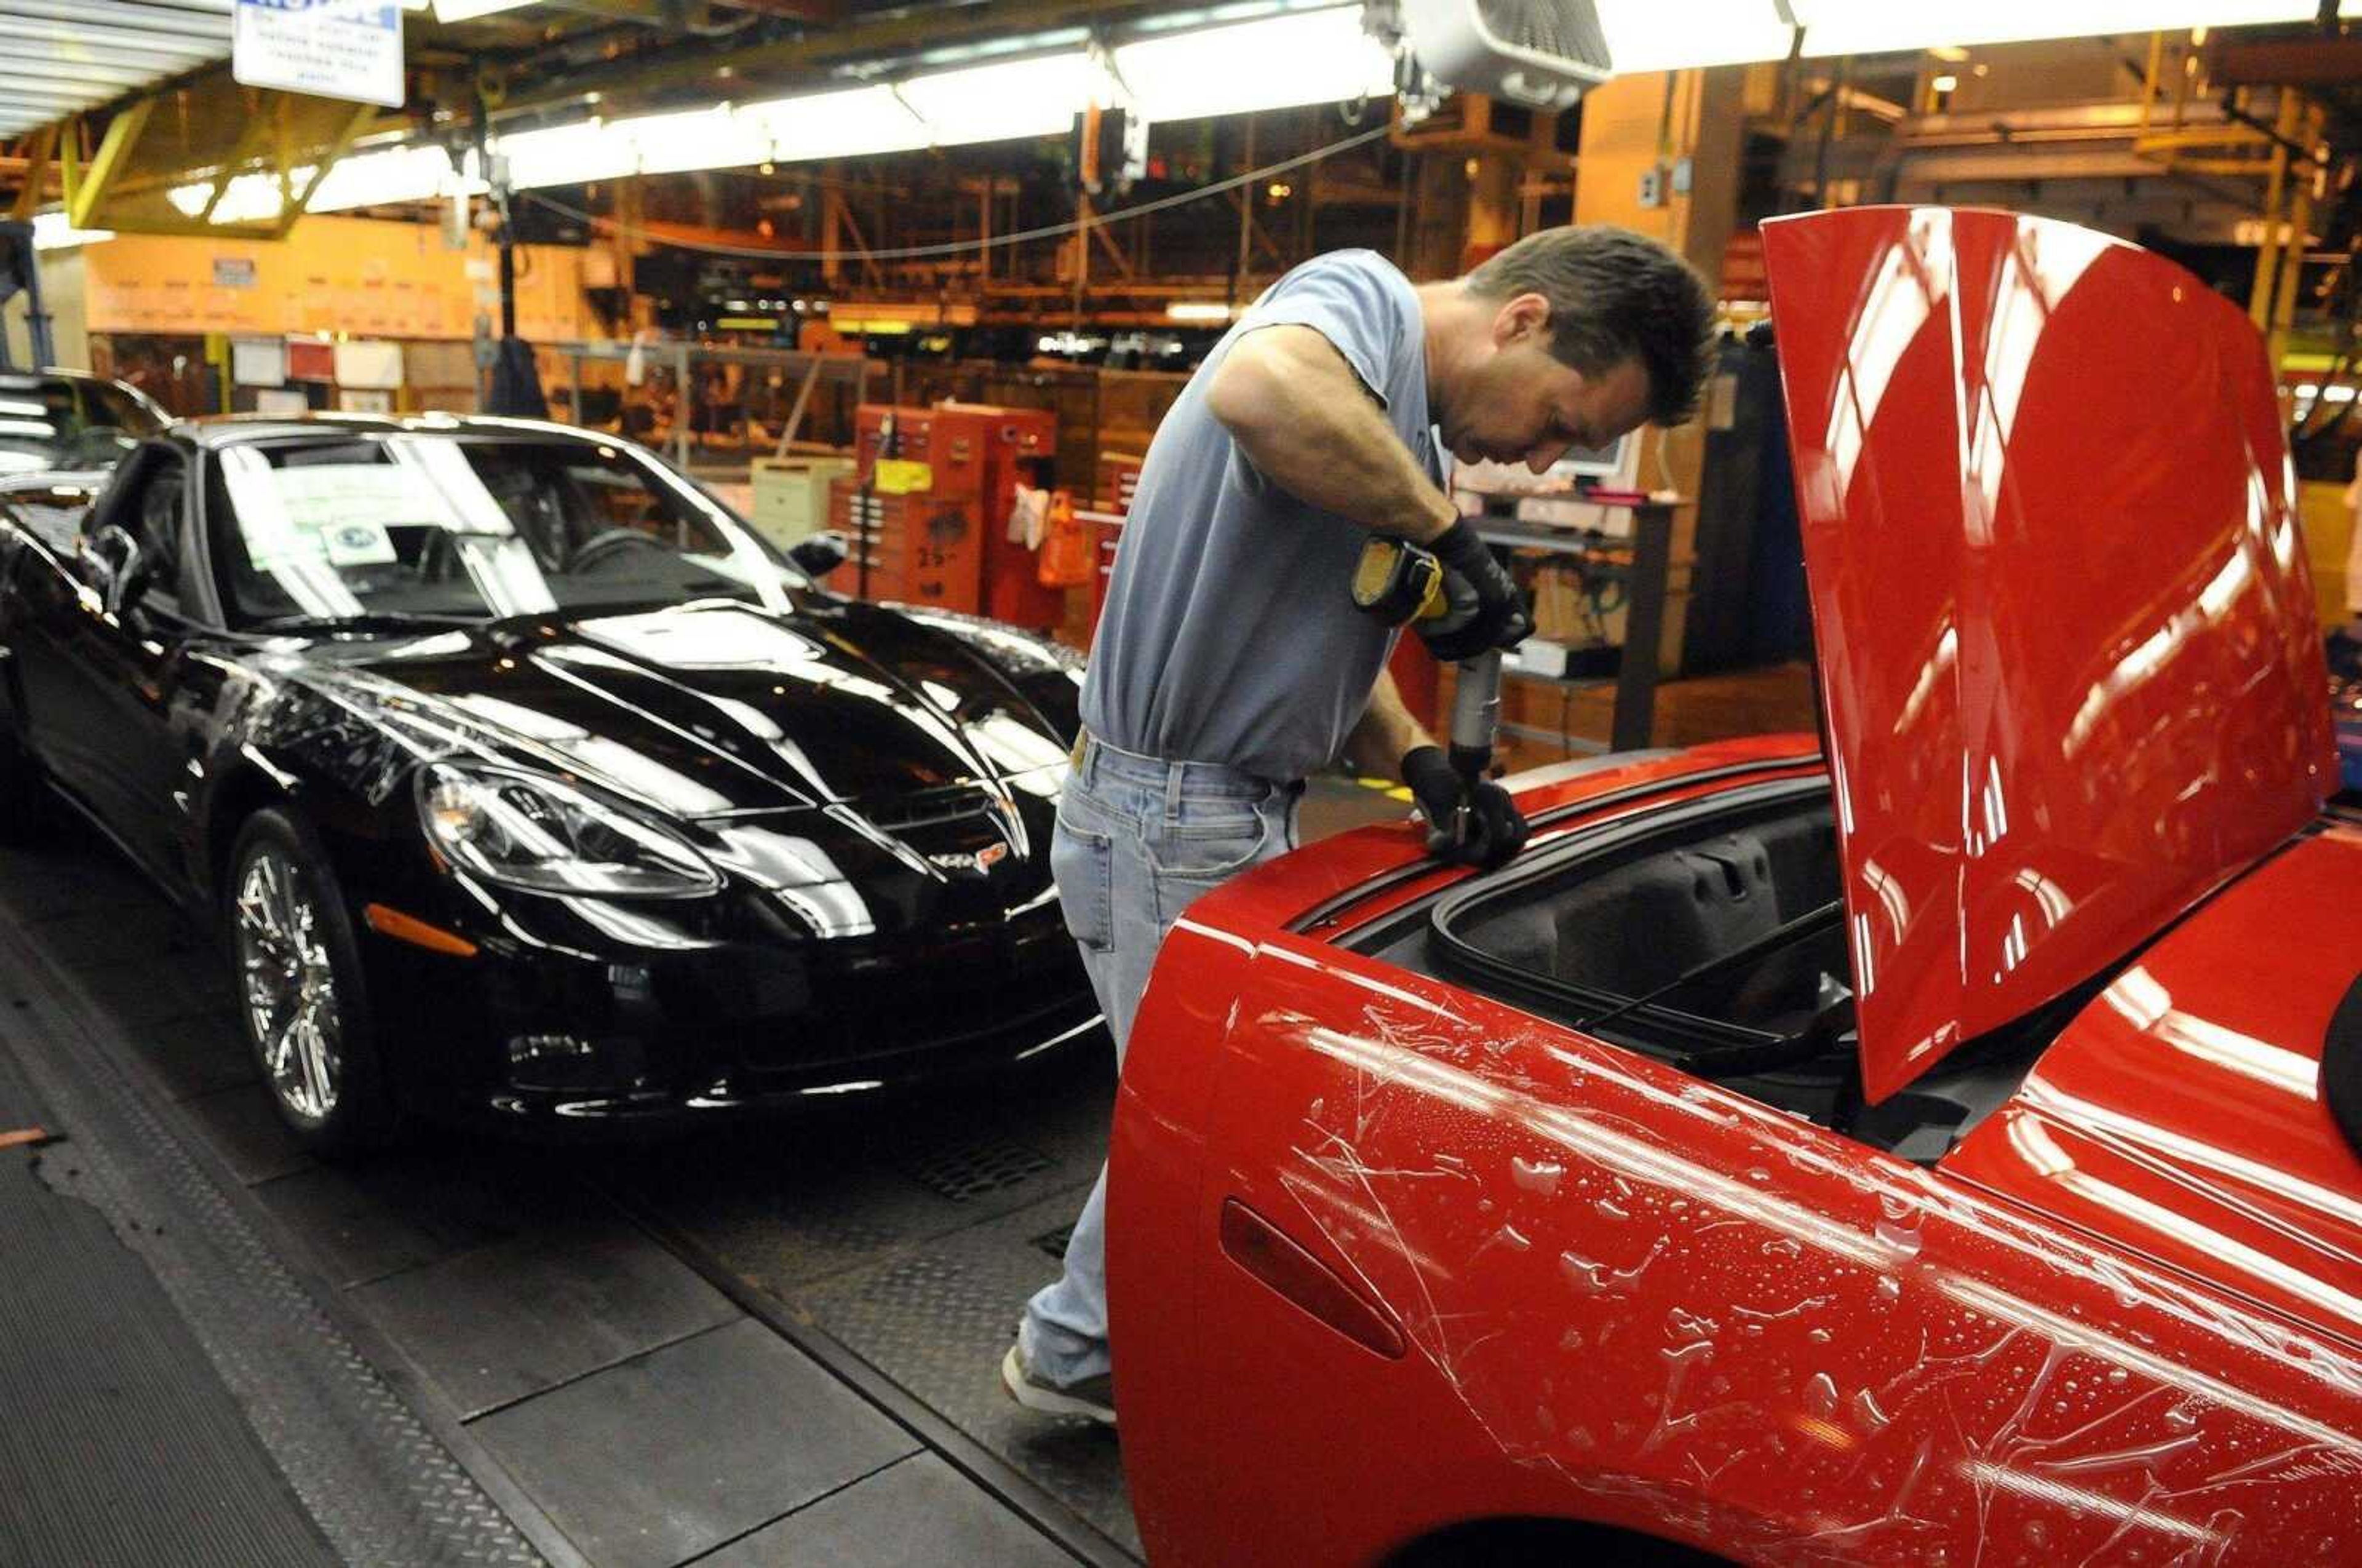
<point>1490,832</point>
<point>1498,617</point>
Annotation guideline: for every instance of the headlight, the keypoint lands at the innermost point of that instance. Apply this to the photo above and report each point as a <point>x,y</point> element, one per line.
<point>524,831</point>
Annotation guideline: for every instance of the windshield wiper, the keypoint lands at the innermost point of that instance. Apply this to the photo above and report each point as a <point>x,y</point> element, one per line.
<point>367,619</point>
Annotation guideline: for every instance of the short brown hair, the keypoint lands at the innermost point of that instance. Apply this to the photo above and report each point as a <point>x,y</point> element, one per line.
<point>1614,295</point>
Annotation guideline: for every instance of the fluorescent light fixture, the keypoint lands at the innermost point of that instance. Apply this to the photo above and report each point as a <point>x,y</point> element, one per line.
<point>1310,57</point>
<point>357,179</point>
<point>1664,35</point>
<point>701,138</point>
<point>1198,310</point>
<point>249,198</point>
<point>570,155</point>
<point>55,231</point>
<point>837,125</point>
<point>396,174</point>
<point>1004,101</point>
<point>1873,26</point>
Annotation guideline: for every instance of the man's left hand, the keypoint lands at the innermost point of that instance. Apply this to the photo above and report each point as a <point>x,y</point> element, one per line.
<point>1495,829</point>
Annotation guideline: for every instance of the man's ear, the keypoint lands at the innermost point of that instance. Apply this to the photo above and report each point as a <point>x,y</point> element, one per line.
<point>1522,319</point>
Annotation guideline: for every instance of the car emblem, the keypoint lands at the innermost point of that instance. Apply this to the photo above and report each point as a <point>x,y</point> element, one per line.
<point>978,864</point>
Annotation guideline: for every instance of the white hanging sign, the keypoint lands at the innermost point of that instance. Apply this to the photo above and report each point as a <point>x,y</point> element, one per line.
<point>334,49</point>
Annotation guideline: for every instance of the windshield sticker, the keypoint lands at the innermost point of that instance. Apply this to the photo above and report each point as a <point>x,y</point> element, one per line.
<point>342,512</point>
<point>358,543</point>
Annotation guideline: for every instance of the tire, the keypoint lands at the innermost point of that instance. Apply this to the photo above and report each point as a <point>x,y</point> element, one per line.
<point>301,1002</point>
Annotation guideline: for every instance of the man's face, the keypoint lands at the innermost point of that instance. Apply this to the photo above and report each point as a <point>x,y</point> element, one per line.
<point>1519,404</point>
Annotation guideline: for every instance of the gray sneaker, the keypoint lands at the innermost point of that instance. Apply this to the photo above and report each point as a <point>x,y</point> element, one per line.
<point>1093,1397</point>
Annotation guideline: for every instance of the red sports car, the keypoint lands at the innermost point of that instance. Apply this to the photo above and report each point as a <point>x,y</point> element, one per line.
<point>1930,1143</point>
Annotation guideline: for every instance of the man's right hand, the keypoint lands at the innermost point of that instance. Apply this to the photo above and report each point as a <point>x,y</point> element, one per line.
<point>1502,618</point>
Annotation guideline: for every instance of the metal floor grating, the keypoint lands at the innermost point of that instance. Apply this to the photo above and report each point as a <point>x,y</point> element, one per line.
<point>972,1170</point>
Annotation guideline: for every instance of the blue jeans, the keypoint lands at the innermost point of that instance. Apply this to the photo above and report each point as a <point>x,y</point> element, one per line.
<point>1138,841</point>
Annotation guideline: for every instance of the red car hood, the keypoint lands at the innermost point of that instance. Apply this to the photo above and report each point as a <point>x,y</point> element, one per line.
<point>2068,650</point>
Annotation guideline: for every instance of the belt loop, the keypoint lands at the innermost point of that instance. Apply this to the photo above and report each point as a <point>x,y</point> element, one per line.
<point>1176,774</point>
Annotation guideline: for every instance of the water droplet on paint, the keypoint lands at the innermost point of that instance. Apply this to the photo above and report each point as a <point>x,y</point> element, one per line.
<point>1536,1175</point>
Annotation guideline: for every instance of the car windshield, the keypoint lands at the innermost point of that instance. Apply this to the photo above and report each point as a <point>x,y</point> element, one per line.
<point>50,513</point>
<point>462,528</point>
<point>65,422</point>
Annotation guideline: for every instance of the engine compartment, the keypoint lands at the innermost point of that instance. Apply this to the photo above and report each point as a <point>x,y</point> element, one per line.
<point>1710,937</point>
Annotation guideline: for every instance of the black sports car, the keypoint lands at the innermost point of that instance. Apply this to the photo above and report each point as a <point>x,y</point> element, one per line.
<point>528,785</point>
<point>66,420</point>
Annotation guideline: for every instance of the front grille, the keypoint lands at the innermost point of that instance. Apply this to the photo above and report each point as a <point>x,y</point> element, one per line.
<point>917,1005</point>
<point>899,814</point>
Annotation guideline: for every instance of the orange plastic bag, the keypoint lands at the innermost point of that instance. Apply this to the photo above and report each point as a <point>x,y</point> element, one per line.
<point>1068,554</point>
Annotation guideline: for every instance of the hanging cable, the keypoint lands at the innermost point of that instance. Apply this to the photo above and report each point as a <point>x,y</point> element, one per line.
<point>969,247</point>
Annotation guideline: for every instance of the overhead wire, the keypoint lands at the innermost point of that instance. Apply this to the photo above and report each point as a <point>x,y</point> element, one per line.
<point>969,247</point>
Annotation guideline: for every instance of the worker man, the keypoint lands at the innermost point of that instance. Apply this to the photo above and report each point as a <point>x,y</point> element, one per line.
<point>1230,659</point>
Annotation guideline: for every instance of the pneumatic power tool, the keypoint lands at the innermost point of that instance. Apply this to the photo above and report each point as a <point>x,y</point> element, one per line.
<point>1404,585</point>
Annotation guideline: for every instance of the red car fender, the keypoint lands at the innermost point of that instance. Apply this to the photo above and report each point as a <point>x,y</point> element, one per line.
<point>1814,1351</point>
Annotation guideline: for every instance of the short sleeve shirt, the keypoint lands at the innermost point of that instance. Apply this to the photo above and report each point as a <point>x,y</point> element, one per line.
<point>1230,634</point>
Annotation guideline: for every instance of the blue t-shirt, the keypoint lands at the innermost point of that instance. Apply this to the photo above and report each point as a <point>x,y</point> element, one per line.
<point>1230,634</point>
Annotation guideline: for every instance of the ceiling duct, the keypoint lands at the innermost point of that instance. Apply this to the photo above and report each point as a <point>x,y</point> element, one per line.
<point>1539,53</point>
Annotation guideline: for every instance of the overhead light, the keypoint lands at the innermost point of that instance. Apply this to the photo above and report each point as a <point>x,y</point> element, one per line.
<point>55,231</point>
<point>248,198</point>
<point>570,155</point>
<point>836,124</point>
<point>701,138</point>
<point>1277,63</point>
<point>358,180</point>
<point>1001,102</point>
<point>1664,35</point>
<point>469,10</point>
<point>396,174</point>
<point>1947,82</point>
<point>1197,310</point>
<point>1876,26</point>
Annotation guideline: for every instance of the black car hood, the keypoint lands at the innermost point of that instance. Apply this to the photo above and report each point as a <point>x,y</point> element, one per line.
<point>720,708</point>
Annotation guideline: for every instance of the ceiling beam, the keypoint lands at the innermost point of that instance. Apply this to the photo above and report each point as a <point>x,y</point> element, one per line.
<point>2307,62</point>
<point>123,134</point>
<point>36,171</point>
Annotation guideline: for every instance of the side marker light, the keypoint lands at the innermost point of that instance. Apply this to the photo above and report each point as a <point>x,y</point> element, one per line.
<point>417,932</point>
<point>1261,1248</point>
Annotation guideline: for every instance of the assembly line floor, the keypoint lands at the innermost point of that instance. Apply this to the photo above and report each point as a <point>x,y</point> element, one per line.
<point>769,1344</point>
<point>765,1344</point>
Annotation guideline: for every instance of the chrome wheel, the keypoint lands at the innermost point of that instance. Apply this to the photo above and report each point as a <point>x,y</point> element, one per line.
<point>289,986</point>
